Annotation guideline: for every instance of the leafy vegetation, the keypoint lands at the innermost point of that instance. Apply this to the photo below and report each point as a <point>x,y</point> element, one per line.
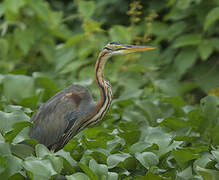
<point>164,120</point>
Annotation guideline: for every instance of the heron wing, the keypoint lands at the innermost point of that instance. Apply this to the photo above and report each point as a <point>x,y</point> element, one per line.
<point>58,114</point>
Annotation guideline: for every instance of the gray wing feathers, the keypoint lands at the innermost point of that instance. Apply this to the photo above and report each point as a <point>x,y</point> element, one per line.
<point>58,114</point>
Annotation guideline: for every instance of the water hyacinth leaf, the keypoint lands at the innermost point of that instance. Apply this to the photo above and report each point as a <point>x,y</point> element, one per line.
<point>185,174</point>
<point>141,146</point>
<point>8,120</point>
<point>22,150</point>
<point>12,166</point>
<point>78,176</point>
<point>41,151</point>
<point>44,168</point>
<point>209,107</point>
<point>5,149</point>
<point>183,156</point>
<point>18,81</point>
<point>216,155</point>
<point>147,159</point>
<point>208,174</point>
<point>152,176</point>
<point>88,171</point>
<point>101,170</point>
<point>114,159</point>
<point>17,128</point>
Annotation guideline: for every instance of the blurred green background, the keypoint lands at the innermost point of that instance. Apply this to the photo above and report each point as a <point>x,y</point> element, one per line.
<point>160,95</point>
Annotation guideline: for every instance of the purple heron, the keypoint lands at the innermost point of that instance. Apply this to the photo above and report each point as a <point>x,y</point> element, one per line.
<point>73,109</point>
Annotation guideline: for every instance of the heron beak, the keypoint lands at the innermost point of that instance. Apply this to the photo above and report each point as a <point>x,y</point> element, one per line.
<point>134,48</point>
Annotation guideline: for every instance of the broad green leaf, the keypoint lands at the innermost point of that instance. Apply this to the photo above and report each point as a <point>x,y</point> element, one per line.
<point>147,159</point>
<point>101,170</point>
<point>18,81</point>
<point>141,146</point>
<point>216,155</point>
<point>175,123</point>
<point>184,60</point>
<point>22,150</point>
<point>17,128</point>
<point>208,174</point>
<point>78,176</point>
<point>152,176</point>
<point>117,141</point>
<point>187,40</point>
<point>86,8</point>
<point>44,168</point>
<point>209,107</point>
<point>185,174</point>
<point>12,166</point>
<point>41,9</point>
<point>205,49</point>
<point>13,7</point>
<point>8,120</point>
<point>41,151</point>
<point>24,39</point>
<point>5,149</point>
<point>88,171</point>
<point>120,34</point>
<point>114,159</point>
<point>212,16</point>
<point>183,156</point>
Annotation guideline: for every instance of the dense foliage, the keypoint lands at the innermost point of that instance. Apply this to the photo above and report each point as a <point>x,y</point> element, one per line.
<point>164,120</point>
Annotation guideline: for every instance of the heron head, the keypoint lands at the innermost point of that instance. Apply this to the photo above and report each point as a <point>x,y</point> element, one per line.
<point>115,48</point>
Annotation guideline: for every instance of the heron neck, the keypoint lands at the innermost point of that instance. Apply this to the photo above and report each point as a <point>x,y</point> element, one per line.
<point>103,85</point>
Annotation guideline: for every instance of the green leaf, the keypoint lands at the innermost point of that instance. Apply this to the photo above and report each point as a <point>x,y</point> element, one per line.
<point>209,107</point>
<point>147,159</point>
<point>120,34</point>
<point>13,7</point>
<point>88,171</point>
<point>86,8</point>
<point>211,17</point>
<point>12,166</point>
<point>114,159</point>
<point>17,128</point>
<point>183,156</point>
<point>5,149</point>
<point>24,39</point>
<point>208,174</point>
<point>44,168</point>
<point>18,81</point>
<point>205,49</point>
<point>8,120</point>
<point>141,146</point>
<point>185,174</point>
<point>187,40</point>
<point>152,176</point>
<point>216,155</point>
<point>41,151</point>
<point>101,170</point>
<point>184,60</point>
<point>78,176</point>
